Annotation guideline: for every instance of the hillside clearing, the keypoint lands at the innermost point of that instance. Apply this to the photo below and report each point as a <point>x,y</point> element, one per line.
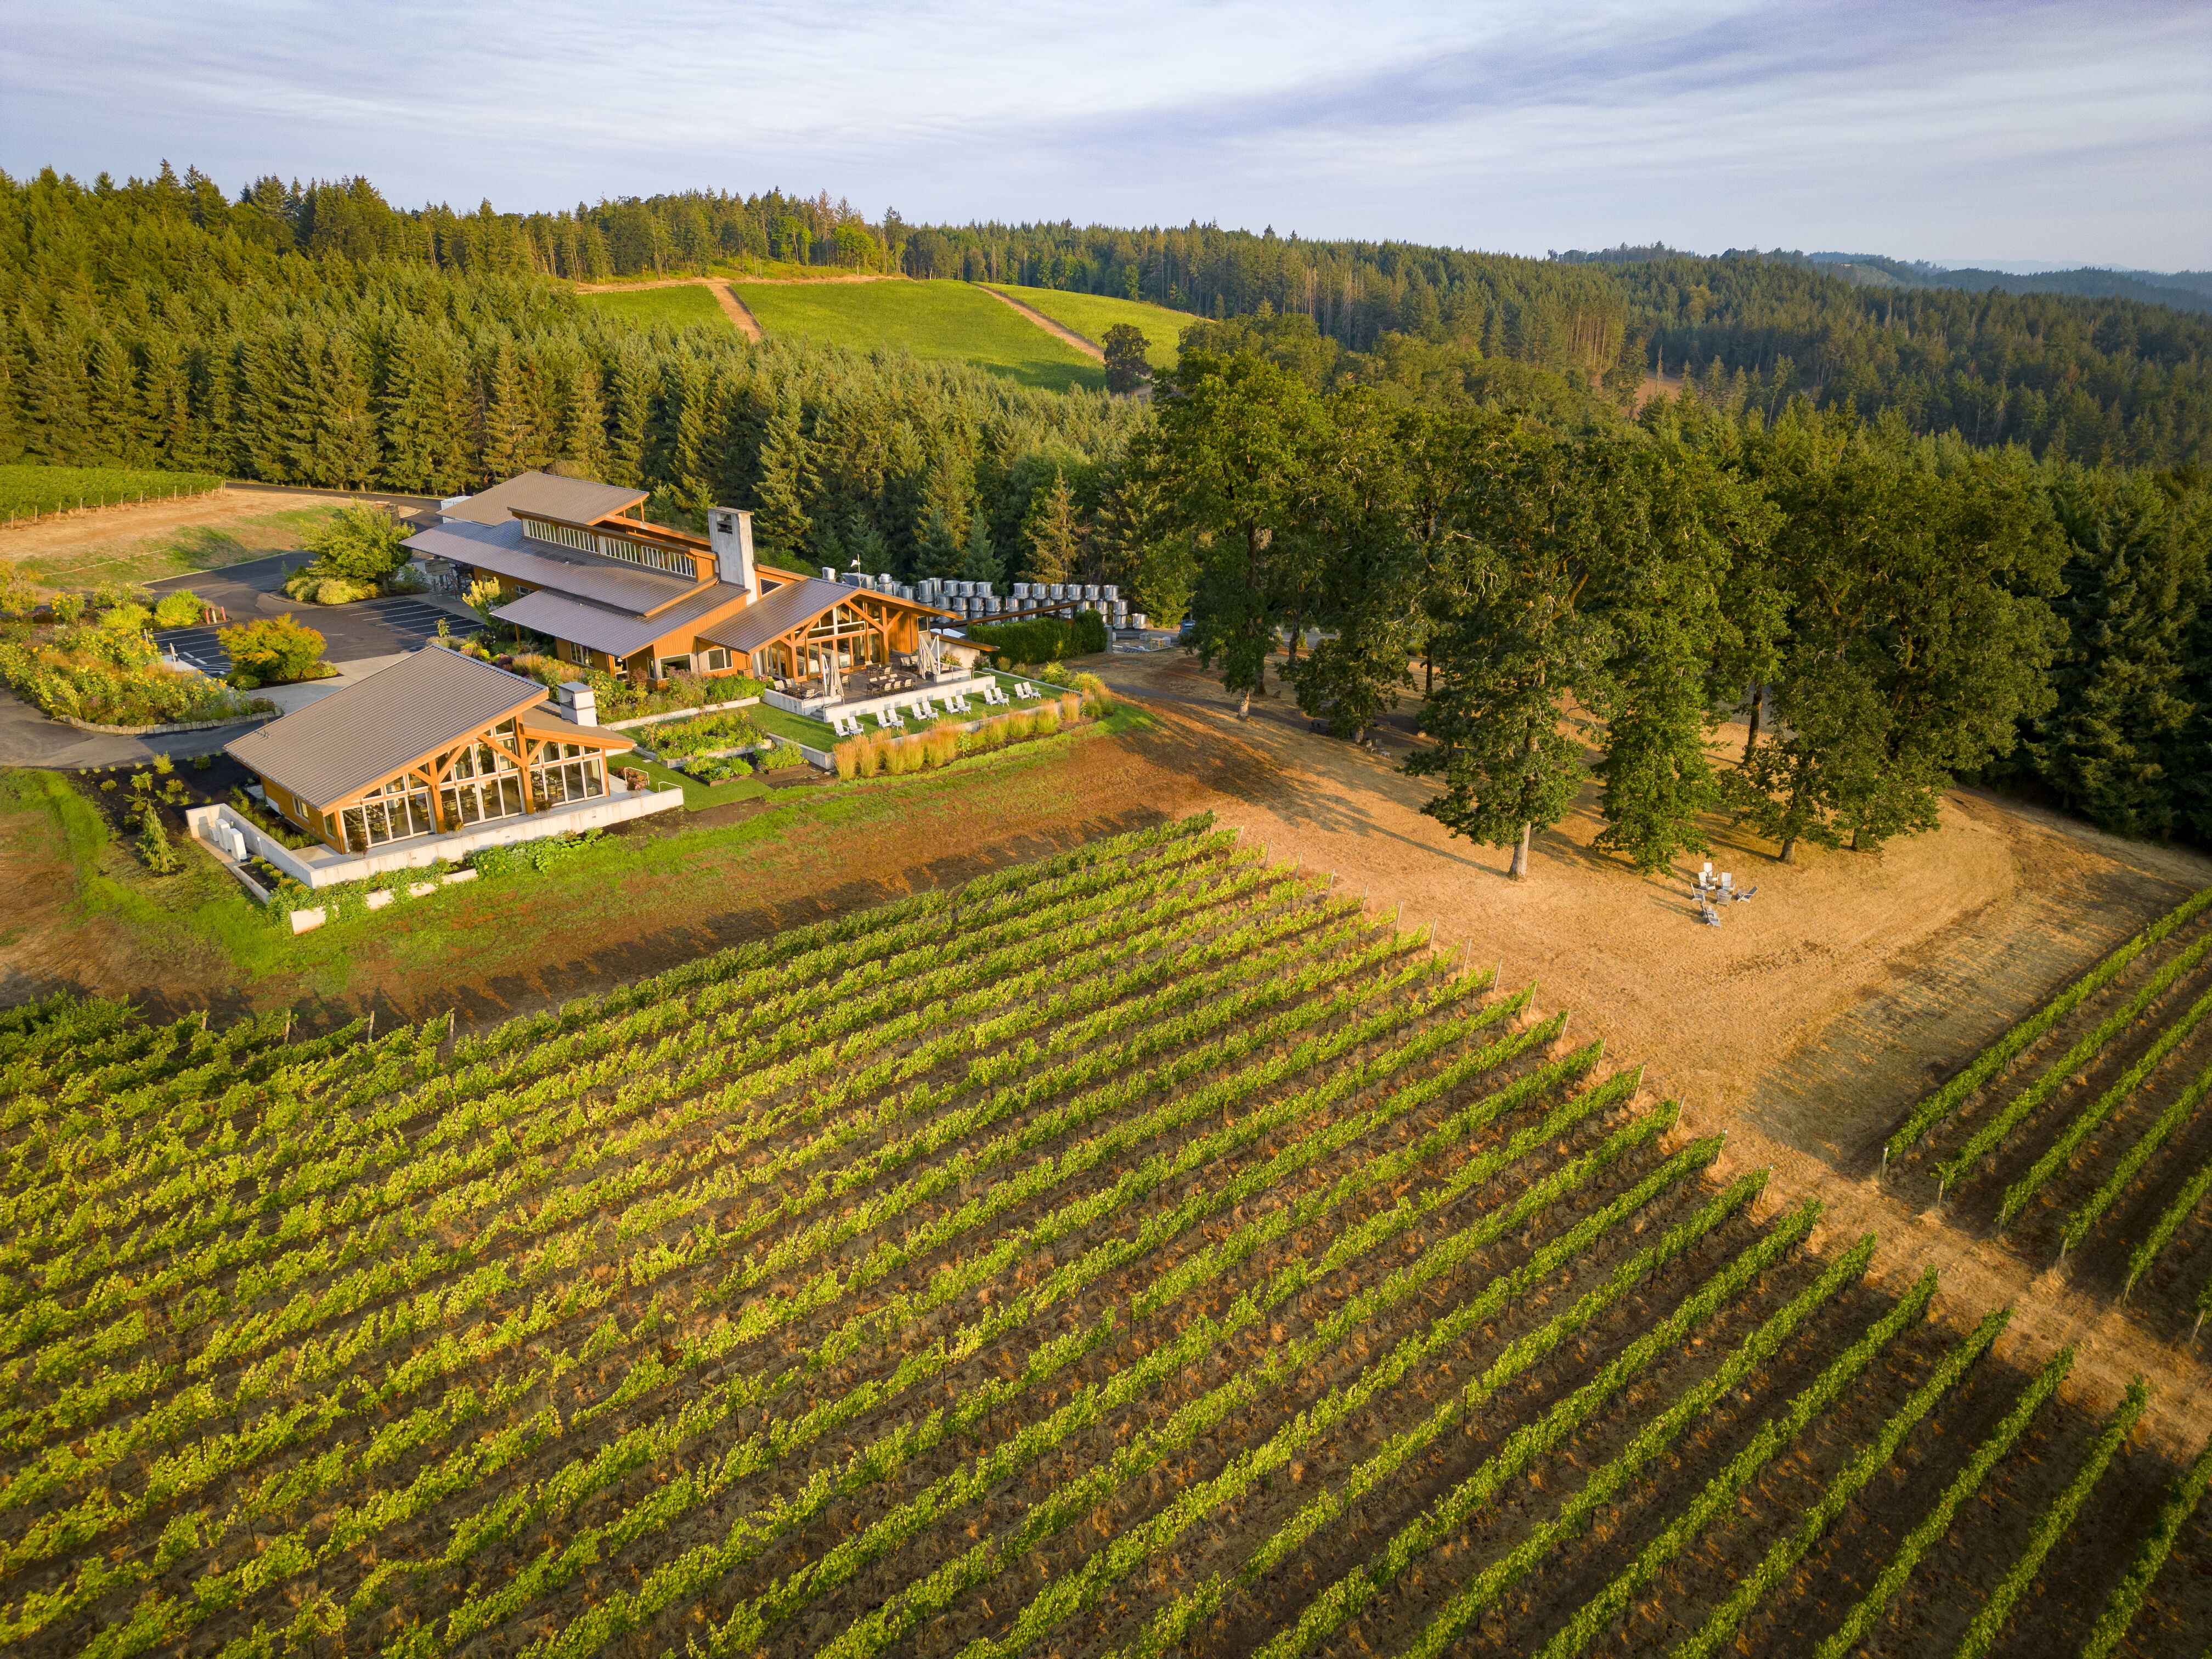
<point>1092,314</point>
<point>941,320</point>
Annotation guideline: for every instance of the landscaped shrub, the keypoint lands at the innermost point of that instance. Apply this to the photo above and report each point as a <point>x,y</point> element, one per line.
<point>182,609</point>
<point>269,823</point>
<point>717,768</point>
<point>273,651</point>
<point>618,700</point>
<point>846,758</point>
<point>355,553</point>
<point>114,679</point>
<point>1097,699</point>
<point>781,757</point>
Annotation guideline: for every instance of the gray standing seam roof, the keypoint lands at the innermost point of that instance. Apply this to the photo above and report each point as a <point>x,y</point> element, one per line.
<point>582,576</point>
<point>617,633</point>
<point>353,738</point>
<point>582,500</point>
<point>788,606</point>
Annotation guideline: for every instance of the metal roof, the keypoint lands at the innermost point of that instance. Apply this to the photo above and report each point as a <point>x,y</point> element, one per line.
<point>352,738</point>
<point>617,633</point>
<point>778,613</point>
<point>592,576</point>
<point>584,500</point>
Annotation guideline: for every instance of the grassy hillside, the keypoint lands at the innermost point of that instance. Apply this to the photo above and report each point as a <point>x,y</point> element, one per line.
<point>678,307</point>
<point>1092,314</point>
<point>943,320</point>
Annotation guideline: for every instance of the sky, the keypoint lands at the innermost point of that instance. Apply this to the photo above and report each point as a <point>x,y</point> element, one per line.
<point>1963,131</point>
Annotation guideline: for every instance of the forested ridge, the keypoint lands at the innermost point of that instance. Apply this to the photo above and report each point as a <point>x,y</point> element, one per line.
<point>2017,483</point>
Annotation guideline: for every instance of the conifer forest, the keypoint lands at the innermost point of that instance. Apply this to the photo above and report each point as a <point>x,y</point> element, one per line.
<point>1924,534</point>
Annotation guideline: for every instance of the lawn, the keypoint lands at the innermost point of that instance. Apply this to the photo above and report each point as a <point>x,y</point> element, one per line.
<point>780,723</point>
<point>25,490</point>
<point>1092,314</point>
<point>943,320</point>
<point>679,308</point>
<point>178,552</point>
<point>698,796</point>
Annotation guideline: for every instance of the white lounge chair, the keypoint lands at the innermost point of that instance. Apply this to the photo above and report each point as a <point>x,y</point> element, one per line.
<point>887,717</point>
<point>1024,689</point>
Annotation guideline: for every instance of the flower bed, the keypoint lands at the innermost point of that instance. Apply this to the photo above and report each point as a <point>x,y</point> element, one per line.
<point>692,737</point>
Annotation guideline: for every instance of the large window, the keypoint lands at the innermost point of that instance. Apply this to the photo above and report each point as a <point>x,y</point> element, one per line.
<point>567,771</point>
<point>394,811</point>
<point>669,667</point>
<point>483,783</point>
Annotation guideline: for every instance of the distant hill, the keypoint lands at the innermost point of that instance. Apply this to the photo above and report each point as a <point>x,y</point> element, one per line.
<point>2187,290</point>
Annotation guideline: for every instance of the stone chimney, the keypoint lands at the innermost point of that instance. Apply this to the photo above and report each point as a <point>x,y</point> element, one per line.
<point>730,533</point>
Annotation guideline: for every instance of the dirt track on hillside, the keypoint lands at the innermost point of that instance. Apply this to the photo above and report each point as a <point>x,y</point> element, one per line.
<point>732,307</point>
<point>1058,330</point>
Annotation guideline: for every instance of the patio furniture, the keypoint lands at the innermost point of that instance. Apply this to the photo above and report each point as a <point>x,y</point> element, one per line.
<point>888,718</point>
<point>1024,689</point>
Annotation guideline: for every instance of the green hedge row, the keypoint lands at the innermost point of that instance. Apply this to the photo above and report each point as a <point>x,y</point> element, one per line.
<point>1044,640</point>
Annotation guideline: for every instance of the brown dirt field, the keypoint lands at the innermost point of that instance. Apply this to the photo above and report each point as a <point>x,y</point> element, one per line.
<point>121,531</point>
<point>1058,330</point>
<point>1806,1025</point>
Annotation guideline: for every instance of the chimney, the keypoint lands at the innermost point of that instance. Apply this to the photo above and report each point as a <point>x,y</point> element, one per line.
<point>730,533</point>
<point>582,705</point>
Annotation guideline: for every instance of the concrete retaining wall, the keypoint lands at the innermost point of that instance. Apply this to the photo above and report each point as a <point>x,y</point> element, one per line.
<point>319,866</point>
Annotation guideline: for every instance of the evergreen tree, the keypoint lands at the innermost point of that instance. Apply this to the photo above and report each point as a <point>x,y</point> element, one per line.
<point>504,439</point>
<point>980,561</point>
<point>938,551</point>
<point>2139,555</point>
<point>789,483</point>
<point>584,425</point>
<point>1053,532</point>
<point>345,445</point>
<point>426,414</point>
<point>633,409</point>
<point>863,542</point>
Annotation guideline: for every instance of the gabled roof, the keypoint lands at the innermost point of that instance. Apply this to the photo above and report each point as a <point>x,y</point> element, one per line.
<point>617,633</point>
<point>605,582</point>
<point>797,601</point>
<point>778,613</point>
<point>585,501</point>
<point>355,737</point>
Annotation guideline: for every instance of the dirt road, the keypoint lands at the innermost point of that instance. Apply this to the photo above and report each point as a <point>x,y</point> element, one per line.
<point>1058,330</point>
<point>732,307</point>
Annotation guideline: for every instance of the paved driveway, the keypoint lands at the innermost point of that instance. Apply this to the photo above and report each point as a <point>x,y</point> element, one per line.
<point>372,628</point>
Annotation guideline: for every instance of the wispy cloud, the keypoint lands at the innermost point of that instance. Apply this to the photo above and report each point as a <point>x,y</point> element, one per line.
<point>2016,130</point>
